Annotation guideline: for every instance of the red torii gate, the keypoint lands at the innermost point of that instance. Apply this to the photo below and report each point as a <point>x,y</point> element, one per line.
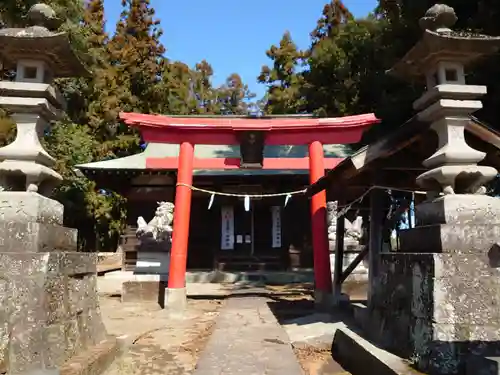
<point>191,130</point>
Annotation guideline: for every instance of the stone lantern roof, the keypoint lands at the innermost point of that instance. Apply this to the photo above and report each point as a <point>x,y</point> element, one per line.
<point>440,43</point>
<point>38,42</point>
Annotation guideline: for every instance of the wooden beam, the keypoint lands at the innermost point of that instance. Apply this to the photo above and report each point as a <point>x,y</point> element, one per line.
<point>359,258</point>
<point>171,163</point>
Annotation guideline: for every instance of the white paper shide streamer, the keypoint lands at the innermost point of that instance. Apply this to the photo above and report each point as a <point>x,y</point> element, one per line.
<point>211,202</point>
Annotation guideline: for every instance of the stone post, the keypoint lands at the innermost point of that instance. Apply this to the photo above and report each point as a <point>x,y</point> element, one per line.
<point>437,301</point>
<point>49,310</point>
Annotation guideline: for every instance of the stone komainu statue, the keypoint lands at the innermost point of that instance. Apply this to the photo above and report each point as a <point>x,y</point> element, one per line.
<point>159,229</point>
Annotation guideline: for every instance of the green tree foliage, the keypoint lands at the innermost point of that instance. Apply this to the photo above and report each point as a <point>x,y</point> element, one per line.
<point>85,207</point>
<point>136,53</point>
<point>283,78</point>
<point>347,75</point>
<point>177,87</point>
<point>206,95</point>
<point>235,97</point>
<point>334,15</point>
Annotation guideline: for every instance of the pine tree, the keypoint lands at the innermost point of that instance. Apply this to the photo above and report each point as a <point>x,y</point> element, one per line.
<point>104,93</point>
<point>177,87</point>
<point>94,25</point>
<point>334,14</point>
<point>206,95</point>
<point>283,78</point>
<point>341,67</point>
<point>235,97</point>
<point>137,55</point>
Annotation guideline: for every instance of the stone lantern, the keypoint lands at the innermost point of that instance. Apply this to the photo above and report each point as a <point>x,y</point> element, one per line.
<point>439,59</point>
<point>49,310</point>
<point>36,55</point>
<point>437,299</point>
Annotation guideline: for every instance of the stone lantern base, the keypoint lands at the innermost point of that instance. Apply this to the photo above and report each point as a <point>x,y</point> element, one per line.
<point>49,309</point>
<point>438,310</point>
<point>437,301</point>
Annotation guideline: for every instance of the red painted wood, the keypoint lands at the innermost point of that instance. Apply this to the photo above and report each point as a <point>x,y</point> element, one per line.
<point>265,124</point>
<point>292,138</point>
<point>171,163</point>
<point>321,252</point>
<point>224,131</point>
<point>182,213</point>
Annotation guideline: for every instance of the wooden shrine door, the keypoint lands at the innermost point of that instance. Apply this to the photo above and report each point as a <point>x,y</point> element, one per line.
<point>256,232</point>
<point>243,230</point>
<point>262,228</point>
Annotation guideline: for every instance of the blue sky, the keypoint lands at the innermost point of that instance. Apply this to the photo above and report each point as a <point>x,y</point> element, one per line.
<point>233,35</point>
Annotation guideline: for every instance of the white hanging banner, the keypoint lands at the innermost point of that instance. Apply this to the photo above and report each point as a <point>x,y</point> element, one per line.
<point>276,226</point>
<point>227,232</point>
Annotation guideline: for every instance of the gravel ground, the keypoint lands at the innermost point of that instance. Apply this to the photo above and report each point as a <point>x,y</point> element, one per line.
<point>158,344</point>
<point>292,301</point>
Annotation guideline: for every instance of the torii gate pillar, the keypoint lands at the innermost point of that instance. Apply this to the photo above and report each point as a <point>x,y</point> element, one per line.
<point>176,292</point>
<point>321,252</point>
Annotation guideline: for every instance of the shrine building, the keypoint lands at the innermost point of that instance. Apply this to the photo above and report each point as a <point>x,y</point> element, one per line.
<point>238,185</point>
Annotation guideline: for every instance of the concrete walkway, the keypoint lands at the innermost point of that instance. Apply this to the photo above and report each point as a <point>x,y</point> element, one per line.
<point>247,340</point>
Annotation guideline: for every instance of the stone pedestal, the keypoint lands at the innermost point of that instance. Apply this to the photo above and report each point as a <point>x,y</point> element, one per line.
<point>153,263</point>
<point>438,302</point>
<point>438,310</point>
<point>49,307</point>
<point>153,256</point>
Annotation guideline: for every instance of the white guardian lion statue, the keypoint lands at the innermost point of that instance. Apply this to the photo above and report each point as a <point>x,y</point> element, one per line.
<point>159,229</point>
